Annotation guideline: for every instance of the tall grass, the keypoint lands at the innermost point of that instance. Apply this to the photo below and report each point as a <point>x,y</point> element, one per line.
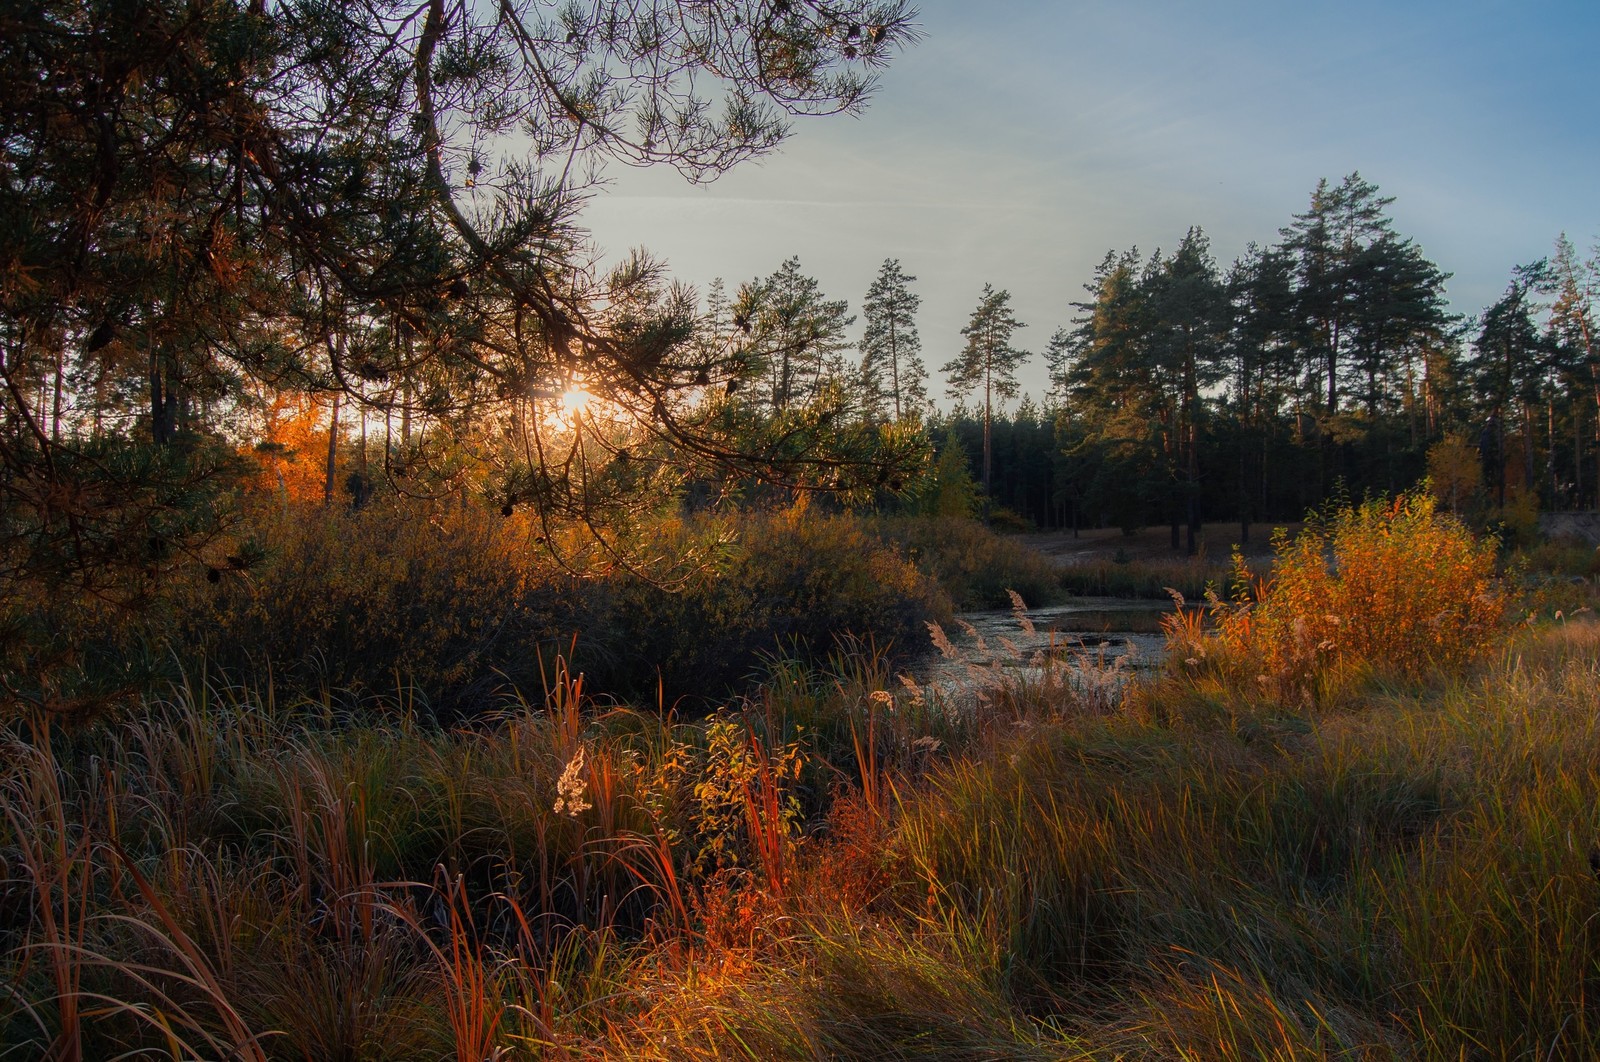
<point>838,864</point>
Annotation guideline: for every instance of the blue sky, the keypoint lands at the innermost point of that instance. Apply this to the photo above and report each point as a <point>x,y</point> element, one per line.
<point>1021,140</point>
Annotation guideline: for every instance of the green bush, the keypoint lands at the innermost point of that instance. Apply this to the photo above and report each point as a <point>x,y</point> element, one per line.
<point>462,605</point>
<point>449,601</point>
<point>1564,556</point>
<point>1005,521</point>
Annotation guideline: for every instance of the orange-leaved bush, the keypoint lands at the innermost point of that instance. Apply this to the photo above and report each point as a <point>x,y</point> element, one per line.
<point>1395,588</point>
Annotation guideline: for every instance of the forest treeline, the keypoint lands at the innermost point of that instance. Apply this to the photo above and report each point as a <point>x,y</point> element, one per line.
<point>1326,363</point>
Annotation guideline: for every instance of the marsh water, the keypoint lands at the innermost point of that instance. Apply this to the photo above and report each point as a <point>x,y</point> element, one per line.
<point>1104,634</point>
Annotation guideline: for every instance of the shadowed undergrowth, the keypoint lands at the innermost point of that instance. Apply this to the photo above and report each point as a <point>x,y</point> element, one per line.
<point>1387,864</point>
<point>834,870</point>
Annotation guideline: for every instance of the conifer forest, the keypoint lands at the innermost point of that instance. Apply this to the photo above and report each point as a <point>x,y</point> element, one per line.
<point>427,632</point>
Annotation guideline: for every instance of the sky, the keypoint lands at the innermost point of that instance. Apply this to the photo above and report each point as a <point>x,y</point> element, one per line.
<point>1023,139</point>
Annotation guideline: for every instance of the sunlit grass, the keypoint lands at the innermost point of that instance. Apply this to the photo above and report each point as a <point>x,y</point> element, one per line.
<point>837,865</point>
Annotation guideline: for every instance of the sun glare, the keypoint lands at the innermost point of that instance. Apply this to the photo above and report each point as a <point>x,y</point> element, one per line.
<point>575,400</point>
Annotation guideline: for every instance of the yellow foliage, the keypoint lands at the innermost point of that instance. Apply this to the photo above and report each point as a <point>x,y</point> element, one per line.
<point>293,450</point>
<point>1455,473</point>
<point>1391,588</point>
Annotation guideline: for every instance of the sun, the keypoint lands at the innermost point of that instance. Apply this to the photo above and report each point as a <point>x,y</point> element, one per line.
<point>575,400</point>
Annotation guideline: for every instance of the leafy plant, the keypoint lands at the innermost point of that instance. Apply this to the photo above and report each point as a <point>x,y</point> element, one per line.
<point>1390,588</point>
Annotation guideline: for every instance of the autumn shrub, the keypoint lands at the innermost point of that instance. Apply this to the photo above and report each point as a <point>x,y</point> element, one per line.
<point>975,566</point>
<point>1394,589</point>
<point>787,583</point>
<point>448,601</point>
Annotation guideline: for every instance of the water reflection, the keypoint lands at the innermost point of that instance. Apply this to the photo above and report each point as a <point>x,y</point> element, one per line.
<point>1099,638</point>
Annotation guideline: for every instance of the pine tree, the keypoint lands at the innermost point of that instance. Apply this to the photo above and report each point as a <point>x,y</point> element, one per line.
<point>1326,242</point>
<point>952,491</point>
<point>1575,334</point>
<point>988,362</point>
<point>892,374</point>
<point>1058,364</point>
<point>1113,399</point>
<point>205,196</point>
<point>1398,312</point>
<point>1511,358</point>
<point>1186,316</point>
<point>797,337</point>
<point>1260,357</point>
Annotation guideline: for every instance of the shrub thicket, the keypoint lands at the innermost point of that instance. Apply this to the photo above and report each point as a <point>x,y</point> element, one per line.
<point>787,583</point>
<point>975,566</point>
<point>456,603</point>
<point>1390,589</point>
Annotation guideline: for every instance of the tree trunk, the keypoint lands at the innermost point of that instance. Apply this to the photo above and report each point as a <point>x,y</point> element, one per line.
<point>988,449</point>
<point>1577,456</point>
<point>1550,458</point>
<point>894,370</point>
<point>1244,484</point>
<point>405,394</point>
<point>1193,473</point>
<point>163,403</point>
<point>55,415</point>
<point>333,452</point>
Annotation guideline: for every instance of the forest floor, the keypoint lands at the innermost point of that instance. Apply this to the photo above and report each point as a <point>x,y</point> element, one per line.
<point>1215,543</point>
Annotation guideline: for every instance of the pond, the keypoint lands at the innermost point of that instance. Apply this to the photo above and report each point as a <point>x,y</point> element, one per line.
<point>1103,639</point>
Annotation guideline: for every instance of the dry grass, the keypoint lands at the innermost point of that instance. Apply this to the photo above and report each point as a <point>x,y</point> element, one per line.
<point>839,866</point>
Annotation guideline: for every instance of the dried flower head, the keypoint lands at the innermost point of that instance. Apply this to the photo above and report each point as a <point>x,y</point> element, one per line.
<point>570,788</point>
<point>1020,611</point>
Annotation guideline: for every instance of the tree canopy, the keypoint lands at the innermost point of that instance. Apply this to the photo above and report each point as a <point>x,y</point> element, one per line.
<point>378,200</point>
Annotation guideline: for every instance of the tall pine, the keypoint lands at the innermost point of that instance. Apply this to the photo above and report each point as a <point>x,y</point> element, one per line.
<point>892,374</point>
<point>988,363</point>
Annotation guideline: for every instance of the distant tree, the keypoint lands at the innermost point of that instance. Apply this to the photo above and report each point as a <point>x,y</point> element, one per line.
<point>892,374</point>
<point>715,327</point>
<point>1186,315</point>
<point>1455,472</point>
<point>952,493</point>
<point>1576,336</point>
<point>1058,364</point>
<point>1511,360</point>
<point>1326,242</point>
<point>797,337</point>
<point>1398,313</point>
<point>1114,400</point>
<point>988,363</point>
<point>1261,363</point>
<point>1029,464</point>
